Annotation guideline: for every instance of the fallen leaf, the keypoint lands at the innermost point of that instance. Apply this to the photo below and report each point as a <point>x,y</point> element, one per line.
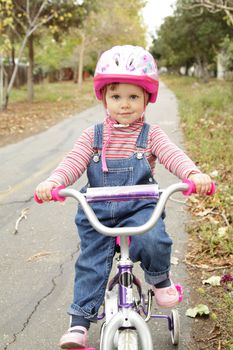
<point>213,281</point>
<point>200,310</point>
<point>174,260</point>
<point>222,231</point>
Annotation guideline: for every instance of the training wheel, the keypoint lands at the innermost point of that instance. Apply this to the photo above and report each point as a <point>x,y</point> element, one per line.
<point>175,327</point>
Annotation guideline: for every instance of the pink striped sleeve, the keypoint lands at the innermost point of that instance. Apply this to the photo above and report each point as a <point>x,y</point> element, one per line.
<point>76,161</point>
<point>171,156</point>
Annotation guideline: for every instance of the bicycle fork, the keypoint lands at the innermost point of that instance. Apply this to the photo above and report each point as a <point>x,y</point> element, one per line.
<point>127,318</point>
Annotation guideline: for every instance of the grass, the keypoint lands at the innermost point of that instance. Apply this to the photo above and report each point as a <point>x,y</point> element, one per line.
<point>54,92</point>
<point>207,116</point>
<point>206,112</point>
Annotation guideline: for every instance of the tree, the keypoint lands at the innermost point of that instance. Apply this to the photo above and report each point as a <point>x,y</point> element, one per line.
<point>225,6</point>
<point>28,16</point>
<point>33,22</point>
<point>188,38</point>
<point>118,22</point>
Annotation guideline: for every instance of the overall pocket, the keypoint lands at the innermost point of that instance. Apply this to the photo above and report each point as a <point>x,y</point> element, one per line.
<point>118,177</point>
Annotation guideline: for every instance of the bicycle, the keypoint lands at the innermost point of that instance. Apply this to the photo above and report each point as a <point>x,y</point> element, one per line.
<point>126,316</point>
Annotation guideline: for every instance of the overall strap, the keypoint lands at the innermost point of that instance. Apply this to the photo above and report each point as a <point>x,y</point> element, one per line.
<point>98,136</point>
<point>143,136</point>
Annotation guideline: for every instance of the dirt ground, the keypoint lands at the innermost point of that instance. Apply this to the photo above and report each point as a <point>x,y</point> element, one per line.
<point>209,332</point>
<point>26,119</point>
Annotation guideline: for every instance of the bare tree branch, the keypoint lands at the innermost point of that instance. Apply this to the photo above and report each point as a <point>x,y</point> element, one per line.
<point>39,12</point>
<point>20,23</point>
<point>212,6</point>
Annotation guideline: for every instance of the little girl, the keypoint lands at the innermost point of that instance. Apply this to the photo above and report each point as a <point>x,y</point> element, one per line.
<point>120,151</point>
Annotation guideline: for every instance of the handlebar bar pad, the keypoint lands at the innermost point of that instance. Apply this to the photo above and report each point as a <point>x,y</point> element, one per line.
<point>122,193</point>
<point>192,188</point>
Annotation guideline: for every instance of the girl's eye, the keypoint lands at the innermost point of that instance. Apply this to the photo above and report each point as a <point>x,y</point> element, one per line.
<point>134,97</point>
<point>116,97</point>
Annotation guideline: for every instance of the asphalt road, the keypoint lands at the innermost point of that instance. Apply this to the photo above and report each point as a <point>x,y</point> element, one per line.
<point>37,262</point>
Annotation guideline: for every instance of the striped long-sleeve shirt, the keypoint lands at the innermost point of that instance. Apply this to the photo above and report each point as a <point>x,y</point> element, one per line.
<point>122,145</point>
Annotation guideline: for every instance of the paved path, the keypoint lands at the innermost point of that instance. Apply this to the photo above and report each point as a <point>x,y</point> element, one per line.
<point>37,263</point>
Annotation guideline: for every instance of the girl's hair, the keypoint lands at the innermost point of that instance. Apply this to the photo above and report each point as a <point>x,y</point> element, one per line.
<point>112,87</point>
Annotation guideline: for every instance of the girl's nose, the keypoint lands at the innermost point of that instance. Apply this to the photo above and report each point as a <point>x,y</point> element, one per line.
<point>125,104</point>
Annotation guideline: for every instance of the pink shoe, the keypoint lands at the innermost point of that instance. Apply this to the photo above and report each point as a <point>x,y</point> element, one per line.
<point>166,297</point>
<point>75,337</point>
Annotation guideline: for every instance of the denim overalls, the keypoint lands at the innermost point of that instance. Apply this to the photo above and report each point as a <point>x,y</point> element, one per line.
<point>152,249</point>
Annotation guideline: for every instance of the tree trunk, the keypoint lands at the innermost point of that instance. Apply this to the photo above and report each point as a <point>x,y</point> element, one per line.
<point>76,73</point>
<point>3,86</point>
<point>1,83</point>
<point>205,71</point>
<point>6,100</point>
<point>202,71</point>
<point>81,59</point>
<point>30,68</point>
<point>220,66</point>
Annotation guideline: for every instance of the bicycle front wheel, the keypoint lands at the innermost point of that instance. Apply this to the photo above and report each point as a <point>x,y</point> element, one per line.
<point>127,340</point>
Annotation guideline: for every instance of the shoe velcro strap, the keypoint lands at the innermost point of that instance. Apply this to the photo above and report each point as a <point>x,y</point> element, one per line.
<point>77,331</point>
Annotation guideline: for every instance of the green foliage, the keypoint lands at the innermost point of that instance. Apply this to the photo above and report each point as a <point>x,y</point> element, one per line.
<point>6,21</point>
<point>52,55</point>
<point>67,14</point>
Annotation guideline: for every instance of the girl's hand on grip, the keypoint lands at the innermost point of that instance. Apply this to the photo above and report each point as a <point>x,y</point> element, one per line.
<point>202,183</point>
<point>43,190</point>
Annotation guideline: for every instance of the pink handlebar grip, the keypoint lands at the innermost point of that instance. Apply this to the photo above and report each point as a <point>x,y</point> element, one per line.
<point>37,199</point>
<point>192,188</point>
<point>54,194</point>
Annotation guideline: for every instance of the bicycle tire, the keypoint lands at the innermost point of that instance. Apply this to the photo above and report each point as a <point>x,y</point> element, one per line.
<point>175,332</point>
<point>127,340</point>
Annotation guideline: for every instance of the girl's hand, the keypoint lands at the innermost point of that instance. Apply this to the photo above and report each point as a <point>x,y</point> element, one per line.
<point>202,183</point>
<point>43,190</point>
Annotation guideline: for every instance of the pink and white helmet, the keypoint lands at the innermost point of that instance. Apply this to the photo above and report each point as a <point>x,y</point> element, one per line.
<point>127,64</point>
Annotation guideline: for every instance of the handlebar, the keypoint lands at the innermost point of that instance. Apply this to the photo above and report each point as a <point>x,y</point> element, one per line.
<point>187,187</point>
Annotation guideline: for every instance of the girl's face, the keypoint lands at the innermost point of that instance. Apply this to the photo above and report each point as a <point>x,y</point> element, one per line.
<point>125,102</point>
